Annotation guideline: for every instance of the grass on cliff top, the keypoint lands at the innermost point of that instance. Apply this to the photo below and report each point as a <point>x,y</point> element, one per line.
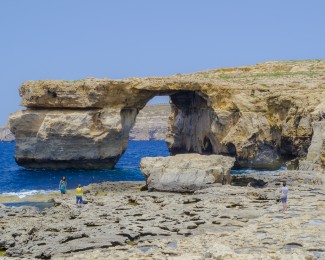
<point>265,75</point>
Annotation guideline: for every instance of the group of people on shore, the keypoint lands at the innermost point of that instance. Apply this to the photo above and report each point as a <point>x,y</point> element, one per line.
<point>63,189</point>
<point>79,192</point>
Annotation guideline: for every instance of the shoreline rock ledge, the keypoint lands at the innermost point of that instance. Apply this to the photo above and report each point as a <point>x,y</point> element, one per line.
<point>186,172</point>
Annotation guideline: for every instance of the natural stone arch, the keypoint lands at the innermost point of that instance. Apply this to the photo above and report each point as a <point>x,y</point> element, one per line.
<point>85,123</point>
<point>96,138</point>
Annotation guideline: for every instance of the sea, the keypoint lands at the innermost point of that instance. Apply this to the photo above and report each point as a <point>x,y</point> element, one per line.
<point>18,181</point>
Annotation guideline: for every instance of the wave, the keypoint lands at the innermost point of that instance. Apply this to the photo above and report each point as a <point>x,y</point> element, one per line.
<point>23,193</point>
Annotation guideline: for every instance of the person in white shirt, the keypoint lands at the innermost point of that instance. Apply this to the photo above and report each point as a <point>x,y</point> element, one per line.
<point>284,195</point>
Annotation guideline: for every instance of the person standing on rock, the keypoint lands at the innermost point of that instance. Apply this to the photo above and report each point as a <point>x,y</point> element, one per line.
<point>63,185</point>
<point>79,196</point>
<point>284,195</point>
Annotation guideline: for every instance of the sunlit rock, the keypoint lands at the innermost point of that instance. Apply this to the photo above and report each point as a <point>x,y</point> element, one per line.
<point>186,172</point>
<point>262,115</point>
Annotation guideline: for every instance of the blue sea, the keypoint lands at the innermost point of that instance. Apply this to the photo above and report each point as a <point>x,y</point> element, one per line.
<point>16,180</point>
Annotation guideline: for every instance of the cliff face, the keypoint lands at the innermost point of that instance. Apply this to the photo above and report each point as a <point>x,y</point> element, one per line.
<point>315,159</point>
<point>260,114</point>
<point>5,134</point>
<point>151,123</point>
<point>55,138</point>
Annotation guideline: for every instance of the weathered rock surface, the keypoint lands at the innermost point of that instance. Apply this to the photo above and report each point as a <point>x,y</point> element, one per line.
<point>315,159</point>
<point>260,114</point>
<point>5,134</point>
<point>71,138</point>
<point>186,172</point>
<point>219,222</point>
<point>151,123</point>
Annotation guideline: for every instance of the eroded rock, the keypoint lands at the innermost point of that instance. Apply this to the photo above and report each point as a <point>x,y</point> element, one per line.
<point>221,221</point>
<point>93,139</point>
<point>315,159</point>
<point>185,172</point>
<point>5,134</point>
<point>260,114</point>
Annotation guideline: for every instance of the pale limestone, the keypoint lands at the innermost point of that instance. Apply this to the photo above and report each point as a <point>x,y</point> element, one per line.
<point>71,138</point>
<point>315,159</point>
<point>120,222</point>
<point>261,114</point>
<point>186,172</point>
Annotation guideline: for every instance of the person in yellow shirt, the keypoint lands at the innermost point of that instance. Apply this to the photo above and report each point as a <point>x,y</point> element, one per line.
<point>79,195</point>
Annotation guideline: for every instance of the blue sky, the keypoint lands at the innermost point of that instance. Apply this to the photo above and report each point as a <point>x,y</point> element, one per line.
<point>74,39</point>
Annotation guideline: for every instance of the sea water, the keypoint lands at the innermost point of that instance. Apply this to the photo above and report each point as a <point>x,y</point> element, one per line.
<point>16,180</point>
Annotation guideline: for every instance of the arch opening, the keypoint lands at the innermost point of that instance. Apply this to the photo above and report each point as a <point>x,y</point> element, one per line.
<point>151,122</point>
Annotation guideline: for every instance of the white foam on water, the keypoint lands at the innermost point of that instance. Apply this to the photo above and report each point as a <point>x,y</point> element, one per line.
<point>23,193</point>
<point>252,171</point>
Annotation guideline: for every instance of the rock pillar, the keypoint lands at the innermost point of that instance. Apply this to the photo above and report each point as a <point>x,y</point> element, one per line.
<point>315,160</point>
<point>83,139</point>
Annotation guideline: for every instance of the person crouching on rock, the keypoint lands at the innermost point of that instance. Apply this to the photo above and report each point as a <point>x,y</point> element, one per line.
<point>284,195</point>
<point>79,196</point>
<point>63,185</point>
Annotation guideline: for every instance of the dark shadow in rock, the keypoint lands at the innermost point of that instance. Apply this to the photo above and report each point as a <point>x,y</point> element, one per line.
<point>243,181</point>
<point>290,246</point>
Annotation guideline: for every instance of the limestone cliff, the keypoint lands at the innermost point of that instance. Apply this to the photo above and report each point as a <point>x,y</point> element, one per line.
<point>260,114</point>
<point>315,159</point>
<point>151,123</point>
<point>5,134</point>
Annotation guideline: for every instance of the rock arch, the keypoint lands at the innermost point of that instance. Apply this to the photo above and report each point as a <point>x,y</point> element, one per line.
<point>86,123</point>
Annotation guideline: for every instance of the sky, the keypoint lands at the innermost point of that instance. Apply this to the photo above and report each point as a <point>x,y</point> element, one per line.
<point>75,39</point>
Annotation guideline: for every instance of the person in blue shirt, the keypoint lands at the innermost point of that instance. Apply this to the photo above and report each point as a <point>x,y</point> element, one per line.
<point>63,185</point>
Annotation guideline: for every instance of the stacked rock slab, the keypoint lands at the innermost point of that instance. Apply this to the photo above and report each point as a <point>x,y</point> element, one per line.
<point>186,172</point>
<point>260,114</point>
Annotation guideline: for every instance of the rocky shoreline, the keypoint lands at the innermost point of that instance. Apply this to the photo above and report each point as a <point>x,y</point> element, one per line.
<point>219,222</point>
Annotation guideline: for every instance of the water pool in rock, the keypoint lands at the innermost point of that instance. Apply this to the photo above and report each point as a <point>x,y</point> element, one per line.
<point>37,204</point>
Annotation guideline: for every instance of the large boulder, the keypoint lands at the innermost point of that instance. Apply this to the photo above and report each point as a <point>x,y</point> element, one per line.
<point>185,172</point>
